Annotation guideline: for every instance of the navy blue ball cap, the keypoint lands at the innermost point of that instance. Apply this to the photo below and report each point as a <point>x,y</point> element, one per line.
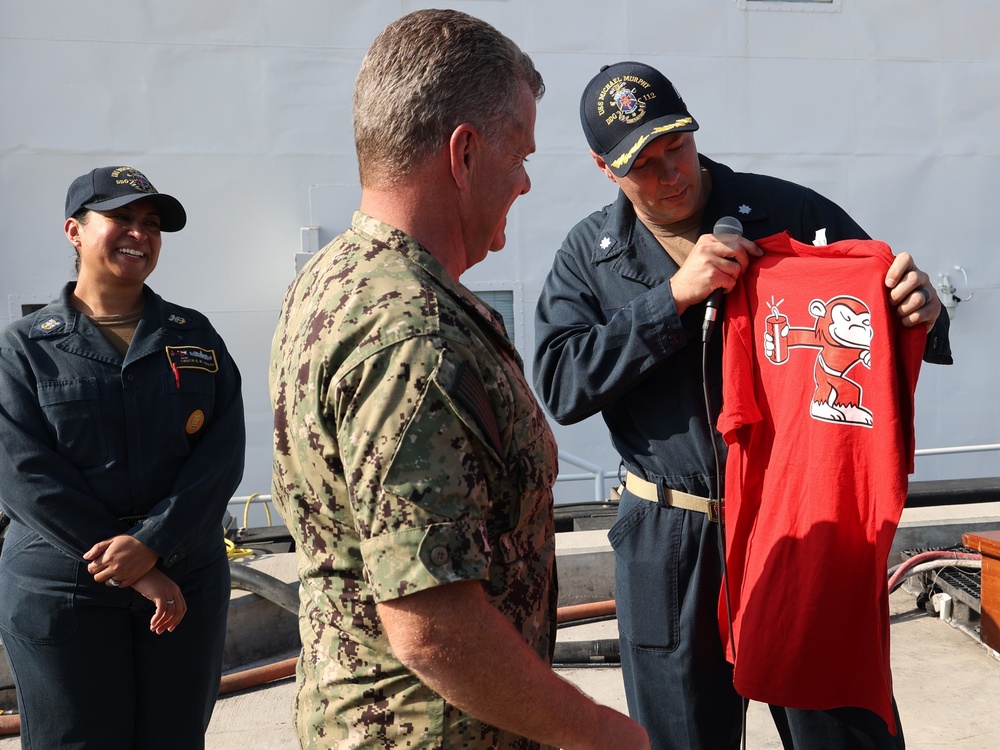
<point>105,188</point>
<point>627,105</point>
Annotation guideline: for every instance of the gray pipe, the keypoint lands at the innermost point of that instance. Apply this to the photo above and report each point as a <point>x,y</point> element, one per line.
<point>285,595</point>
<point>606,651</point>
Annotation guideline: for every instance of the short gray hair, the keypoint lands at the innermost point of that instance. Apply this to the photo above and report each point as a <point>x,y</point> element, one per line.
<point>424,75</point>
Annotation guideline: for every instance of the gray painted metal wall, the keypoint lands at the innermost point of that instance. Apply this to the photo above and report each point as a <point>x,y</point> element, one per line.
<point>241,108</point>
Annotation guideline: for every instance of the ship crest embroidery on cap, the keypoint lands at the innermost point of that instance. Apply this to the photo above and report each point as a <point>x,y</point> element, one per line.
<point>630,109</point>
<point>133,178</point>
<point>621,99</point>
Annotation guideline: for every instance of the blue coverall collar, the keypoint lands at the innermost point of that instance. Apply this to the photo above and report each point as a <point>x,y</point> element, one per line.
<point>60,319</point>
<point>620,231</point>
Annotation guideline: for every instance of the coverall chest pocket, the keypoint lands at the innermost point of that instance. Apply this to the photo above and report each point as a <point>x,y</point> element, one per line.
<point>72,411</point>
<point>190,401</point>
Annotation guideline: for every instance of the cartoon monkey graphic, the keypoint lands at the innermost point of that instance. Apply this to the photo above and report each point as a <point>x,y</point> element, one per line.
<point>843,334</point>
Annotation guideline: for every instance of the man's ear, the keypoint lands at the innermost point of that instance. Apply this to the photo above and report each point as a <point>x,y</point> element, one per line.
<point>463,148</point>
<point>602,166</point>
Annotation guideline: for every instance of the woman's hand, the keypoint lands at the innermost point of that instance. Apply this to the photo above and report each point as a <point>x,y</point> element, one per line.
<point>120,560</point>
<point>166,595</point>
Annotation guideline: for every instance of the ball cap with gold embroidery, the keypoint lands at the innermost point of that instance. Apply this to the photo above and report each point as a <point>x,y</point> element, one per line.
<point>106,188</point>
<point>626,106</point>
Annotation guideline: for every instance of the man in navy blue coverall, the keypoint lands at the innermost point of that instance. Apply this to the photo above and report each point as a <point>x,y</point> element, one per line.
<point>619,331</point>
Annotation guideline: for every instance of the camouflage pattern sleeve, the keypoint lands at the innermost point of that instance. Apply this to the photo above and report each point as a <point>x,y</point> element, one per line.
<point>418,489</point>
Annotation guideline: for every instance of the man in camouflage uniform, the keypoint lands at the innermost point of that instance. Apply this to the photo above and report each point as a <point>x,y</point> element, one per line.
<point>412,462</point>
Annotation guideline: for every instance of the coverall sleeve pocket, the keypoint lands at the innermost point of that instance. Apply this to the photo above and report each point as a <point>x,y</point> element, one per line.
<point>536,461</point>
<point>72,410</point>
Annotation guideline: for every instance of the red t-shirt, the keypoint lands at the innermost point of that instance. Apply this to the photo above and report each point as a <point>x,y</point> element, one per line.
<point>818,382</point>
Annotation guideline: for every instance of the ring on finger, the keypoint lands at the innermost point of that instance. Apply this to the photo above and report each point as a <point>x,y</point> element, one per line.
<point>925,294</point>
<point>113,582</point>
<point>170,602</point>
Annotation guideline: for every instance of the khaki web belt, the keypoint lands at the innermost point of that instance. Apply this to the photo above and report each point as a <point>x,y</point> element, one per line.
<point>674,498</point>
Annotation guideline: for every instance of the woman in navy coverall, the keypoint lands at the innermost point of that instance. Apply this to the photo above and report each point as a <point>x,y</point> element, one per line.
<point>121,442</point>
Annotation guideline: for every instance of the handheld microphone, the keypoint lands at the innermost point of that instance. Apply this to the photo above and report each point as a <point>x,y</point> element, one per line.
<point>725,225</point>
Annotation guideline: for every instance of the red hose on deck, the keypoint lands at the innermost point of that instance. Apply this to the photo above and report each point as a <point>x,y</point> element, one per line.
<point>10,724</point>
<point>233,683</point>
<point>574,612</point>
<point>923,557</point>
<point>250,678</point>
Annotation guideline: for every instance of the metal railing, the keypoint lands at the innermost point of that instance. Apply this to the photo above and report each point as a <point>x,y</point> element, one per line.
<point>957,449</point>
<point>246,502</point>
<point>594,473</point>
<point>598,475</point>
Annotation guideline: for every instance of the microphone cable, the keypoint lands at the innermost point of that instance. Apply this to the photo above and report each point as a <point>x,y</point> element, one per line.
<point>732,226</point>
<point>720,503</point>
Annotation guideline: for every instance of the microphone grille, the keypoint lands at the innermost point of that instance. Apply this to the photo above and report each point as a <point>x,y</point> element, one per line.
<point>728,225</point>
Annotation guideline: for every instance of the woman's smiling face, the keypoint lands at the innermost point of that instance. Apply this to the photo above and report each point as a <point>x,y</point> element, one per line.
<point>122,244</point>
